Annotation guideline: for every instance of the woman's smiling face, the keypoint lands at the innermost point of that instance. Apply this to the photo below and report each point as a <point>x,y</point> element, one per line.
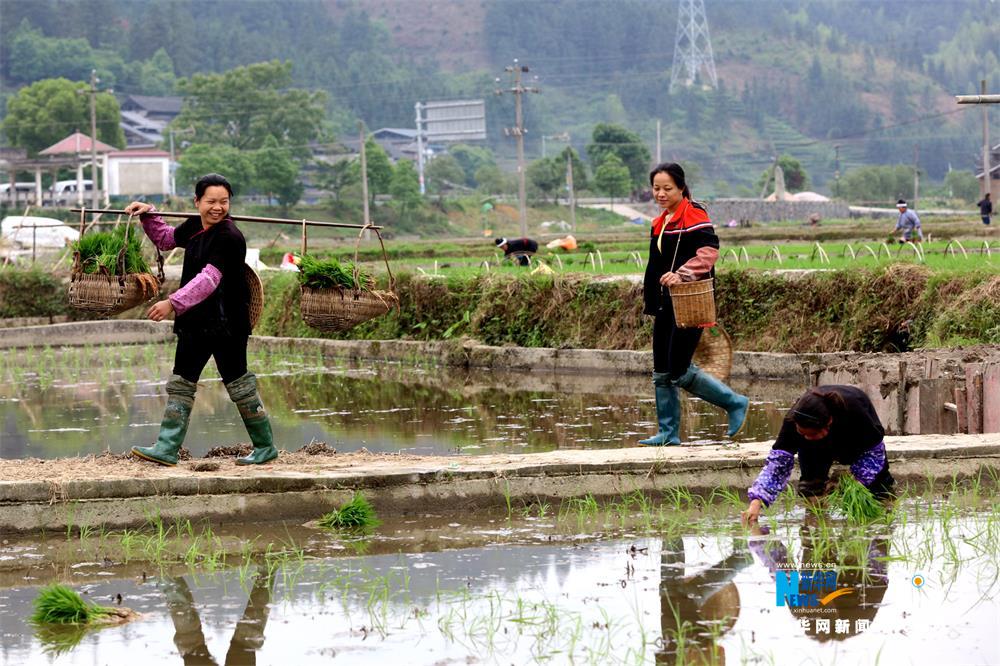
<point>666,192</point>
<point>213,205</point>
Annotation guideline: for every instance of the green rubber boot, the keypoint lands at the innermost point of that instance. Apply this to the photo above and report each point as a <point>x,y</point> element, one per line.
<point>668,413</point>
<point>698,382</point>
<point>173,428</point>
<point>243,392</point>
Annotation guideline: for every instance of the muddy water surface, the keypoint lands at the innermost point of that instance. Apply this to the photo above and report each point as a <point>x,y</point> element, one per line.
<point>76,401</point>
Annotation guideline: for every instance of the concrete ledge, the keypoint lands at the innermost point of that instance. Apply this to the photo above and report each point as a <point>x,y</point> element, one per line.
<point>414,484</point>
<point>110,331</point>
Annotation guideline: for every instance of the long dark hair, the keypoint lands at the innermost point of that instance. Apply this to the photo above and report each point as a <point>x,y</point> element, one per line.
<point>675,171</point>
<point>815,408</point>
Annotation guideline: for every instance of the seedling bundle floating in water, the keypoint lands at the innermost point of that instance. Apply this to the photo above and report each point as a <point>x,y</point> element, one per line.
<point>357,514</point>
<point>58,604</point>
<point>855,501</point>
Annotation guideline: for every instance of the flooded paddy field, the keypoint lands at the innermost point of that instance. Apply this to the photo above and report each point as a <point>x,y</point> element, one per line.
<point>637,579</point>
<point>59,402</point>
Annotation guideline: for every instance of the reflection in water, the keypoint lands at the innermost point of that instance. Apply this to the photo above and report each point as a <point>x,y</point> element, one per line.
<point>72,406</point>
<point>189,637</point>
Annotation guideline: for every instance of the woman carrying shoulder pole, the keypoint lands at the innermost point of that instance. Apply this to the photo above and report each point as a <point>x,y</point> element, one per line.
<point>683,247</point>
<point>212,309</point>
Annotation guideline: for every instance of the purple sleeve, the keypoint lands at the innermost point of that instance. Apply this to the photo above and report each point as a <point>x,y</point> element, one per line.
<point>773,477</point>
<point>158,231</point>
<point>198,289</point>
<point>871,462</point>
<point>771,554</point>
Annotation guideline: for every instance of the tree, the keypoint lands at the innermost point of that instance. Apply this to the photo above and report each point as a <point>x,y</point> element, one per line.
<point>156,75</point>
<point>548,175</point>
<point>48,111</point>
<point>491,180</point>
<point>612,177</point>
<point>444,172</point>
<point>405,187</point>
<point>877,184</point>
<point>624,144</point>
<point>962,185</point>
<point>200,159</point>
<point>796,178</point>
<point>245,105</point>
<point>277,174</point>
<point>338,176</point>
<point>471,159</point>
<point>379,169</point>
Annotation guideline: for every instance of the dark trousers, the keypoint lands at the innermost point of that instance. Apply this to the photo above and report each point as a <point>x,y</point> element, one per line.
<point>194,350</point>
<point>986,220</point>
<point>673,348</point>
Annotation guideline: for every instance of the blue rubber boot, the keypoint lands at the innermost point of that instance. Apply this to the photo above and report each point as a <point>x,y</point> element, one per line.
<point>698,382</point>
<point>173,428</point>
<point>668,413</point>
<point>243,392</point>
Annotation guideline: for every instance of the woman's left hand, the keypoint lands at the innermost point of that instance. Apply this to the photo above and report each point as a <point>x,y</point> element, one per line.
<point>668,279</point>
<point>160,310</point>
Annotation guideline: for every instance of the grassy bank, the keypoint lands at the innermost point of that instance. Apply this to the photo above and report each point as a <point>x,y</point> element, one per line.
<point>893,308</point>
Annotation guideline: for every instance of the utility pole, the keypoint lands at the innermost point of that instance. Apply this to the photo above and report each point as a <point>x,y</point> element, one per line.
<point>836,172</point>
<point>420,148</point>
<point>364,173</point>
<point>95,199</point>
<point>916,174</point>
<point>986,143</point>
<point>659,156</point>
<point>518,132</point>
<point>572,192</point>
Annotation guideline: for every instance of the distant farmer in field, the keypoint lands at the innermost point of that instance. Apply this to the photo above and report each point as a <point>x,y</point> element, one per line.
<point>682,248</point>
<point>827,423</point>
<point>909,223</point>
<point>212,309</point>
<point>986,209</point>
<point>517,249</point>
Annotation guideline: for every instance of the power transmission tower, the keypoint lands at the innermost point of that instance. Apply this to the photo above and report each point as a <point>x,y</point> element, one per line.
<point>692,46</point>
<point>518,133</point>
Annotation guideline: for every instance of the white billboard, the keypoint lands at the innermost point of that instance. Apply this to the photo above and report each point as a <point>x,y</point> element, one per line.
<point>457,120</point>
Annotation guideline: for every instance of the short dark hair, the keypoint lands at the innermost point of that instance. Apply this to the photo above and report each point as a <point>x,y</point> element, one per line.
<point>210,180</point>
<point>675,171</point>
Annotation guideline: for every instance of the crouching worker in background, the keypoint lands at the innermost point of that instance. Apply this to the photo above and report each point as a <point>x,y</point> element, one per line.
<point>212,309</point>
<point>518,250</point>
<point>827,424</point>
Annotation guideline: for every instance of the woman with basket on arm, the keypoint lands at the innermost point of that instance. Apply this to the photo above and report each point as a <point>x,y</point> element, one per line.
<point>683,248</point>
<point>212,309</point>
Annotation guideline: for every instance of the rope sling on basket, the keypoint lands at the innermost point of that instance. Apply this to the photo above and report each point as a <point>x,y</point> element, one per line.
<point>106,293</point>
<point>693,302</point>
<point>334,309</point>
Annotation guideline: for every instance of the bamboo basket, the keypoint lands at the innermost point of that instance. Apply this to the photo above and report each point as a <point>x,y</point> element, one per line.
<point>256,290</point>
<point>693,303</point>
<point>335,310</point>
<point>714,353</point>
<point>106,294</point>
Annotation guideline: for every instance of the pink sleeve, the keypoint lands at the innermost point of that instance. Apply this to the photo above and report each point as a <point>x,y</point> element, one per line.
<point>158,231</point>
<point>698,266</point>
<point>198,289</point>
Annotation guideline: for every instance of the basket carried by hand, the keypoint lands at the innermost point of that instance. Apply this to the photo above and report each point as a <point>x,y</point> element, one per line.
<point>106,293</point>
<point>694,303</point>
<point>335,309</point>
<point>256,290</point>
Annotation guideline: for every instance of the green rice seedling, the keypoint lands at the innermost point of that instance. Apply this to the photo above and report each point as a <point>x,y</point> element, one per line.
<point>331,274</point>
<point>99,251</point>
<point>855,501</point>
<point>357,514</point>
<point>58,604</point>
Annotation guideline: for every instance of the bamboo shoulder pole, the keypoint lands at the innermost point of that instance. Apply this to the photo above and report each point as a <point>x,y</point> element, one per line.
<point>237,218</point>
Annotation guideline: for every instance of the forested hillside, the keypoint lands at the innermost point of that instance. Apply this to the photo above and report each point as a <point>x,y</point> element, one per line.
<point>796,77</point>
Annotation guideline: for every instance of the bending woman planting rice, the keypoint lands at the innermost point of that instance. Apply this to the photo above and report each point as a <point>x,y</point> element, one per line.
<point>827,424</point>
<point>212,310</point>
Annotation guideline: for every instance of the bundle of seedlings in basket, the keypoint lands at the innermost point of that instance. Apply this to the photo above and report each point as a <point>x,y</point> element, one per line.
<point>110,274</point>
<point>338,297</point>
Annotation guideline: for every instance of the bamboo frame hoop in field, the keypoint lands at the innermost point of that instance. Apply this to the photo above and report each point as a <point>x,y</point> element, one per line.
<point>333,310</point>
<point>693,302</point>
<point>106,294</point>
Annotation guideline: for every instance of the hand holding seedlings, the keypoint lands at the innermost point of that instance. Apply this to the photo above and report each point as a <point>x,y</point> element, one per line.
<point>752,513</point>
